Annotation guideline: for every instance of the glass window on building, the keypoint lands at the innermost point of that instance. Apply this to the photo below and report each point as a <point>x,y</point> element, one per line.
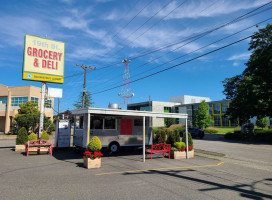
<point>167,109</point>
<point>217,121</point>
<point>176,109</point>
<point>210,109</point>
<point>48,103</point>
<point>35,100</point>
<point>216,108</point>
<point>224,107</point>
<point>110,123</point>
<point>16,101</point>
<point>145,108</point>
<point>4,100</point>
<point>225,121</point>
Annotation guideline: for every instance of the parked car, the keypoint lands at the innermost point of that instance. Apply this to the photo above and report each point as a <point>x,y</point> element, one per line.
<point>195,132</point>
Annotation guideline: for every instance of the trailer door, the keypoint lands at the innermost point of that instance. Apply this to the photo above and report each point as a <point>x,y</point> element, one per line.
<point>126,127</point>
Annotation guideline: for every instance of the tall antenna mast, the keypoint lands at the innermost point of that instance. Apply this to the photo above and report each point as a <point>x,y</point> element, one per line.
<point>126,94</point>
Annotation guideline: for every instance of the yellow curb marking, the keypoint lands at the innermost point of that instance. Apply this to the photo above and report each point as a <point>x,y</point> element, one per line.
<point>159,169</point>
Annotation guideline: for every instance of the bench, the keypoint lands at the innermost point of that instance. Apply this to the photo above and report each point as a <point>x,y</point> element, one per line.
<point>39,145</point>
<point>159,148</point>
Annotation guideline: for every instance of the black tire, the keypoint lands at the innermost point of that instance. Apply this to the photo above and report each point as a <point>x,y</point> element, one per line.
<point>114,147</point>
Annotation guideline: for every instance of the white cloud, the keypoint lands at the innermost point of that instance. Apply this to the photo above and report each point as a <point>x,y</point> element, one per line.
<point>15,28</point>
<point>242,56</point>
<point>235,64</point>
<point>197,9</point>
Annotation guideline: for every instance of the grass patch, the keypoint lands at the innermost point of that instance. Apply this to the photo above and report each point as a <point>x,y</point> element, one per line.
<point>209,153</point>
<point>228,130</point>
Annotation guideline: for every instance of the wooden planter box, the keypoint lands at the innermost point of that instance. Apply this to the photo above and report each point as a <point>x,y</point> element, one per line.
<point>91,164</point>
<point>20,147</point>
<point>181,154</point>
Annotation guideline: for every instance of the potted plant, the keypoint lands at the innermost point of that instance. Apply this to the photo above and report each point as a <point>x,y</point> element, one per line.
<point>21,139</point>
<point>92,157</point>
<point>178,150</point>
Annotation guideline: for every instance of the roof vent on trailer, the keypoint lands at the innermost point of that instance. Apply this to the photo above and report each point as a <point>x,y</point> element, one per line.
<point>113,106</point>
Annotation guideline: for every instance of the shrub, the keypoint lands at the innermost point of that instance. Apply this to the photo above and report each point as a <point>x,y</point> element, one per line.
<point>262,122</point>
<point>32,136</point>
<point>174,149</point>
<point>248,129</point>
<point>22,136</point>
<point>236,135</point>
<point>211,130</point>
<point>177,127</point>
<point>177,136</point>
<point>170,137</point>
<point>180,144</point>
<point>95,144</point>
<point>160,136</point>
<point>190,140</point>
<point>44,136</point>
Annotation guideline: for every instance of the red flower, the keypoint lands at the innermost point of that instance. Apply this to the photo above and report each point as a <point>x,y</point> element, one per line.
<point>87,153</point>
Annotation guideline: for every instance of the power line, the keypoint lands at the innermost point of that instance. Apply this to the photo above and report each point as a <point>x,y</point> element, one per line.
<point>174,66</point>
<point>192,37</point>
<point>126,26</point>
<point>199,36</point>
<point>199,48</point>
<point>154,25</point>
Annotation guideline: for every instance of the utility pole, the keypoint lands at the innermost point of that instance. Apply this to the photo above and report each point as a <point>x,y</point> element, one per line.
<point>85,67</point>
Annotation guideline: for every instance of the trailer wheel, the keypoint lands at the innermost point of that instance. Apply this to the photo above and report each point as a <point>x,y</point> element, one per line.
<point>114,147</point>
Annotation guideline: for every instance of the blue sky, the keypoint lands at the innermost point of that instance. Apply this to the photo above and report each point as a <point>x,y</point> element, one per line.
<point>100,33</point>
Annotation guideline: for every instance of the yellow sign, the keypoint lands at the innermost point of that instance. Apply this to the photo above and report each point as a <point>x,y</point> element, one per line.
<point>43,60</point>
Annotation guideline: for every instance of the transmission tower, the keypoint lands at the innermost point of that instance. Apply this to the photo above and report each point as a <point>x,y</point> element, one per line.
<point>126,94</point>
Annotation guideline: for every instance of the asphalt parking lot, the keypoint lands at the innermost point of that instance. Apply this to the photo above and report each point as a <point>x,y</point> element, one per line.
<point>125,176</point>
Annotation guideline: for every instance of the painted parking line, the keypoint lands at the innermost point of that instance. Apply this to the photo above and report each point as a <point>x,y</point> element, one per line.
<point>160,169</point>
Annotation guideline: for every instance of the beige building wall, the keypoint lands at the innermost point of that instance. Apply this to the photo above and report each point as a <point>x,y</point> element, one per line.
<point>8,112</point>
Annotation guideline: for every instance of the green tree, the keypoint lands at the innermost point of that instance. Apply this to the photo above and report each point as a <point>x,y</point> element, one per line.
<point>169,121</point>
<point>190,139</point>
<point>202,118</point>
<point>262,122</point>
<point>48,125</point>
<point>251,92</point>
<point>28,115</point>
<point>87,100</point>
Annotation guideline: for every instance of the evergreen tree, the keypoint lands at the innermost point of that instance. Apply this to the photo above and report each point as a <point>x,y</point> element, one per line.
<point>87,101</point>
<point>202,118</point>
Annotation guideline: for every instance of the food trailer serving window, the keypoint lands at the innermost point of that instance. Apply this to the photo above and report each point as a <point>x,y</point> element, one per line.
<point>96,122</point>
<point>110,123</point>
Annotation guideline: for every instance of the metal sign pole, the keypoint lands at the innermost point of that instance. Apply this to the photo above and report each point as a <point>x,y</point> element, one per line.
<point>144,138</point>
<point>42,108</point>
<point>186,127</point>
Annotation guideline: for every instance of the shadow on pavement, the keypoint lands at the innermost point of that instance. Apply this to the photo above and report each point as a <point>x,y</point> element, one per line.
<point>240,188</point>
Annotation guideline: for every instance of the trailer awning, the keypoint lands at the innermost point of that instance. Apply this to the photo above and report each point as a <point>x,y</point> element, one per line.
<point>105,111</point>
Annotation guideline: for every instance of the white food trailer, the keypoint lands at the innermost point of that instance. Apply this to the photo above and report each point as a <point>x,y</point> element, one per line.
<point>116,127</point>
